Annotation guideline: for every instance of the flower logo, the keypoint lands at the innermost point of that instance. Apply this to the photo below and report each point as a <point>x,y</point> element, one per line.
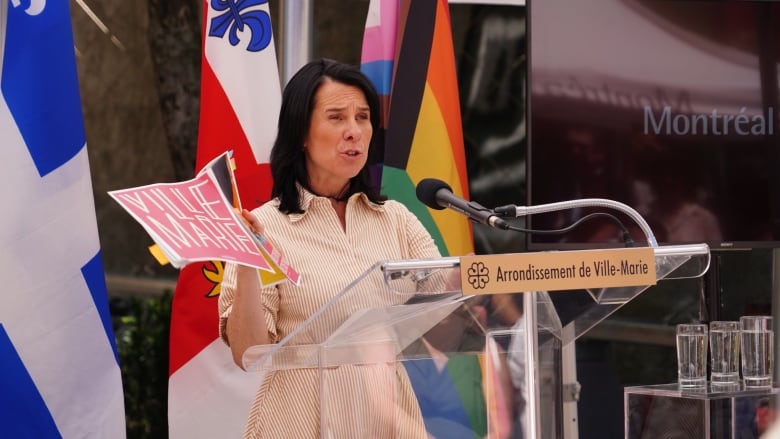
<point>478,275</point>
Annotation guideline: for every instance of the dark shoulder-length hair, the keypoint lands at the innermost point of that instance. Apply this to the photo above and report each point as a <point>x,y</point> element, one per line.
<point>288,162</point>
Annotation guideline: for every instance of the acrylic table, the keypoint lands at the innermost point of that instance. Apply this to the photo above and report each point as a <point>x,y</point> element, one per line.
<point>714,411</point>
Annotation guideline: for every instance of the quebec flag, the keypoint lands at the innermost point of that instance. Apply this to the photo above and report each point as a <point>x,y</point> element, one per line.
<point>59,370</point>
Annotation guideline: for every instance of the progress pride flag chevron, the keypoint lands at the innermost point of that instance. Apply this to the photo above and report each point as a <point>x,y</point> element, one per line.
<point>209,396</point>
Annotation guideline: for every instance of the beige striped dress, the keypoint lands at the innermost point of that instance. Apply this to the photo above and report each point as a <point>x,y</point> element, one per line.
<point>287,405</point>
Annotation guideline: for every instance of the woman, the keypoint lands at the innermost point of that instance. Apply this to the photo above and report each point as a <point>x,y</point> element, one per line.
<point>331,224</point>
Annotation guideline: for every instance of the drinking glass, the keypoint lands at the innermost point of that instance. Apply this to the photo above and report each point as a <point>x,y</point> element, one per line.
<point>757,350</point>
<point>724,351</point>
<point>692,354</point>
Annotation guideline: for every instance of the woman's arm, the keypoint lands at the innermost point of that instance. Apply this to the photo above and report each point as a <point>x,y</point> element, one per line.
<point>246,322</point>
<point>245,326</point>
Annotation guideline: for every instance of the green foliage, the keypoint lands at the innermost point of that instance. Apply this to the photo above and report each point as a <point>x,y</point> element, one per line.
<point>142,327</point>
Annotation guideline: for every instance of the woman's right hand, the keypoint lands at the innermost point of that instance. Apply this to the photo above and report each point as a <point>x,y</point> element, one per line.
<point>251,221</point>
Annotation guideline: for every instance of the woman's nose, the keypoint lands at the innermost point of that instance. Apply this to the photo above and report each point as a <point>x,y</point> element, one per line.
<point>352,130</point>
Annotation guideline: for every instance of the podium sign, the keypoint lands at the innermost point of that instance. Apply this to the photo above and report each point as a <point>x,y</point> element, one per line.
<point>557,271</point>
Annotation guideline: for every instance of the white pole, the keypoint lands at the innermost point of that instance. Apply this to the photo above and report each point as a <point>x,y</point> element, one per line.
<point>533,428</point>
<point>297,18</point>
<point>775,296</point>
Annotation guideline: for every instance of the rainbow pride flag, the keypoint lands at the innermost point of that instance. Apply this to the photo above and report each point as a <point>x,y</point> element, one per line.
<point>409,55</point>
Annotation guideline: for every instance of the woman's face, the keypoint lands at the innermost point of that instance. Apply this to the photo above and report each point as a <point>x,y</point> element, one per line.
<point>336,146</point>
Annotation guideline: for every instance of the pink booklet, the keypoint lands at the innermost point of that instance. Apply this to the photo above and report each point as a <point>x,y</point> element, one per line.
<point>195,220</point>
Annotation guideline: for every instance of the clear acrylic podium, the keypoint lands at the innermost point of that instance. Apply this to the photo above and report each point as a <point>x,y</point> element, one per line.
<point>478,366</point>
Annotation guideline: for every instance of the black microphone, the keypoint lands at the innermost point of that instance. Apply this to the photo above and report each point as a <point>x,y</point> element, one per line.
<point>438,195</point>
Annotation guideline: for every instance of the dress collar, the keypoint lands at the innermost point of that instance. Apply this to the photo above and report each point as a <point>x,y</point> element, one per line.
<point>309,200</point>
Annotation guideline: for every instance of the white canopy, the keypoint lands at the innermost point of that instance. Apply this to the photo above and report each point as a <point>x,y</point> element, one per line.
<point>620,52</point>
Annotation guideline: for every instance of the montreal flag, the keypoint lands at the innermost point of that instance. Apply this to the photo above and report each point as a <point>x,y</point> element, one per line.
<point>208,395</point>
<point>59,371</point>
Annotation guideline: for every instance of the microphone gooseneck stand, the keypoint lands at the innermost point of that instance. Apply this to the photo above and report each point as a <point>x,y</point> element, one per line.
<point>519,211</point>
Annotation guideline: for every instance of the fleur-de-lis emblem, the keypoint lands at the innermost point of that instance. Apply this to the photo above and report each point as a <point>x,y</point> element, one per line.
<point>32,7</point>
<point>236,17</point>
<point>478,275</point>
